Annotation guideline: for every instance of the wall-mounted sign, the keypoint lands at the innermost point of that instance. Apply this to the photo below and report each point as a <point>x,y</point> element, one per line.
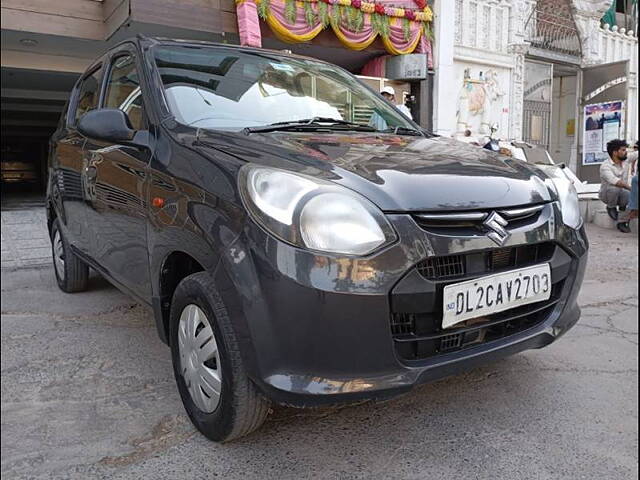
<point>603,122</point>
<point>406,67</point>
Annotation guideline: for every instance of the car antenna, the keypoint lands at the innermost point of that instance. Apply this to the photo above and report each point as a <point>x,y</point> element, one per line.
<point>197,141</point>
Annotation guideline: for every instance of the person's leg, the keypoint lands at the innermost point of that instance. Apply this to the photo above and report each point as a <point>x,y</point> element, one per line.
<point>622,201</point>
<point>633,198</point>
<point>623,216</point>
<point>609,196</point>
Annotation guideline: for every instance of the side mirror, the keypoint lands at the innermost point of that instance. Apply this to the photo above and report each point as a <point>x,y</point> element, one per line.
<point>108,124</point>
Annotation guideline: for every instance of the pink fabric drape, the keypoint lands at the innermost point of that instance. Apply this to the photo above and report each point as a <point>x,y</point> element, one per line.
<point>426,47</point>
<point>396,35</point>
<point>375,67</point>
<point>249,24</point>
<point>358,37</point>
<point>300,27</point>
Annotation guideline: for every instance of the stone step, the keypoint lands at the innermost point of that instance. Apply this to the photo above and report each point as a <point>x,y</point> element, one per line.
<point>594,211</point>
<point>602,219</point>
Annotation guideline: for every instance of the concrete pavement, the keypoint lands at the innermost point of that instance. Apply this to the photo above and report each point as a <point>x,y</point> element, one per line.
<point>25,240</point>
<point>87,392</point>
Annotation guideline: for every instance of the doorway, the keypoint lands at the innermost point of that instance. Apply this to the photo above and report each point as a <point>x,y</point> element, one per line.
<point>562,145</point>
<point>537,103</point>
<point>32,101</point>
<point>550,109</point>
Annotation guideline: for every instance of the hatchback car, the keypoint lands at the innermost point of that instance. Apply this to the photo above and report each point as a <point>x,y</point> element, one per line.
<point>291,251</point>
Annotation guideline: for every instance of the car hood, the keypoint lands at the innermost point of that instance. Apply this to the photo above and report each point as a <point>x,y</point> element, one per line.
<point>402,173</point>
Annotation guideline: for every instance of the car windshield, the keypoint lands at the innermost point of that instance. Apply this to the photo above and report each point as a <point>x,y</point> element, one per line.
<point>220,88</point>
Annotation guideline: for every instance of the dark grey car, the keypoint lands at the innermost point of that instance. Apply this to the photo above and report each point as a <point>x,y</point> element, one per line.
<point>291,251</point>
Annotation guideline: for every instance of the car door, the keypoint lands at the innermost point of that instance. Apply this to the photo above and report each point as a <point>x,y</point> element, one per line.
<point>68,162</point>
<point>117,175</point>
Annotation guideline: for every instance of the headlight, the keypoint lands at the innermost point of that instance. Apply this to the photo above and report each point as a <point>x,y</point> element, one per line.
<point>313,214</point>
<point>567,196</point>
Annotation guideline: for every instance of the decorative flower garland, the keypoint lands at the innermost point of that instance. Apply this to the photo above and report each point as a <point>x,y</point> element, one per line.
<point>356,23</point>
<point>424,14</point>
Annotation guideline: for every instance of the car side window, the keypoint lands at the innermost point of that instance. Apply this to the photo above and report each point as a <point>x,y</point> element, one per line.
<point>123,90</point>
<point>88,94</point>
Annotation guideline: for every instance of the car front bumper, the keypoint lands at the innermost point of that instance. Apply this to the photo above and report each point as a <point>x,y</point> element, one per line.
<point>317,330</point>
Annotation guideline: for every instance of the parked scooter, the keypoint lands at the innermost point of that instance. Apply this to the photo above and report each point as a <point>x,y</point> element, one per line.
<point>493,144</point>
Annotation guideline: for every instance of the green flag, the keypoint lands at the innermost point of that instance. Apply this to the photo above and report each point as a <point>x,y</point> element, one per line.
<point>610,16</point>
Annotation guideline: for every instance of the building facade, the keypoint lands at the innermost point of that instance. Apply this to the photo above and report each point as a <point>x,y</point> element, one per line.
<point>529,66</point>
<point>532,67</point>
<point>46,45</point>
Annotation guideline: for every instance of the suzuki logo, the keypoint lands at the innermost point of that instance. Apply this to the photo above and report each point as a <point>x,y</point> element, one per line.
<point>494,224</point>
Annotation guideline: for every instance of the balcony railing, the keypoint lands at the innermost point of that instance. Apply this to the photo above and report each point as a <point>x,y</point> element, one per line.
<point>553,33</point>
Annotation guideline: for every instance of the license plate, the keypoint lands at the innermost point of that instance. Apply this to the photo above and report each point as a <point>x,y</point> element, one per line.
<point>495,293</point>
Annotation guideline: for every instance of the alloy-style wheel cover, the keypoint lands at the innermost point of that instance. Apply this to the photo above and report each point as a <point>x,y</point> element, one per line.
<point>199,358</point>
<point>58,255</point>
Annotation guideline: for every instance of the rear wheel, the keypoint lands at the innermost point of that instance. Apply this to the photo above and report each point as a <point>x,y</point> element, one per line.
<point>218,396</point>
<point>72,273</point>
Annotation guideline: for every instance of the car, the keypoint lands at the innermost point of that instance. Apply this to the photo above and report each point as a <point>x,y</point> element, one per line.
<point>291,254</point>
<point>542,158</point>
<point>17,167</point>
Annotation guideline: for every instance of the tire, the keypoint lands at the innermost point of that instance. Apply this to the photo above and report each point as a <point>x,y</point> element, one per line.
<point>240,408</point>
<point>72,273</point>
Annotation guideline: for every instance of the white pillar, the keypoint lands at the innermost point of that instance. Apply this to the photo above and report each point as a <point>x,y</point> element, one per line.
<point>518,47</point>
<point>587,15</point>
<point>444,88</point>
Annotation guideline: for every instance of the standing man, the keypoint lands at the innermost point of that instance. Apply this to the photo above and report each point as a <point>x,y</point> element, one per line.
<point>633,172</point>
<point>633,160</point>
<point>633,199</point>
<point>376,121</point>
<point>614,188</point>
<point>390,94</point>
<point>601,122</point>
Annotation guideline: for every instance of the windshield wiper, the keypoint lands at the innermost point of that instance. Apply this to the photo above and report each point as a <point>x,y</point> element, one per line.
<point>403,131</point>
<point>314,123</point>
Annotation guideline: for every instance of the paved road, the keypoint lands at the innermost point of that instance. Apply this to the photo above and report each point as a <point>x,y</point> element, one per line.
<point>87,392</point>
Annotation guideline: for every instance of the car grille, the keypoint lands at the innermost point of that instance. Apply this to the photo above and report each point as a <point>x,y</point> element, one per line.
<point>473,332</point>
<point>454,266</point>
<point>419,335</point>
<point>442,267</point>
<point>471,223</point>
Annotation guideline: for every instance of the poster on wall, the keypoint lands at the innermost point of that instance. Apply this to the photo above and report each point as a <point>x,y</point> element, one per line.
<point>603,122</point>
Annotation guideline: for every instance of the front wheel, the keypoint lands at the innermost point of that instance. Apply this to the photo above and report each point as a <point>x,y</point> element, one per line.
<point>218,396</point>
<point>72,274</point>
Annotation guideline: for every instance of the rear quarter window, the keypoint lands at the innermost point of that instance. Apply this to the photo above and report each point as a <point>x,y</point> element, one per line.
<point>87,96</point>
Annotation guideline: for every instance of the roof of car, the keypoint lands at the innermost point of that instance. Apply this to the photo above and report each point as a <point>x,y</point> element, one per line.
<point>144,42</point>
<point>195,43</point>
